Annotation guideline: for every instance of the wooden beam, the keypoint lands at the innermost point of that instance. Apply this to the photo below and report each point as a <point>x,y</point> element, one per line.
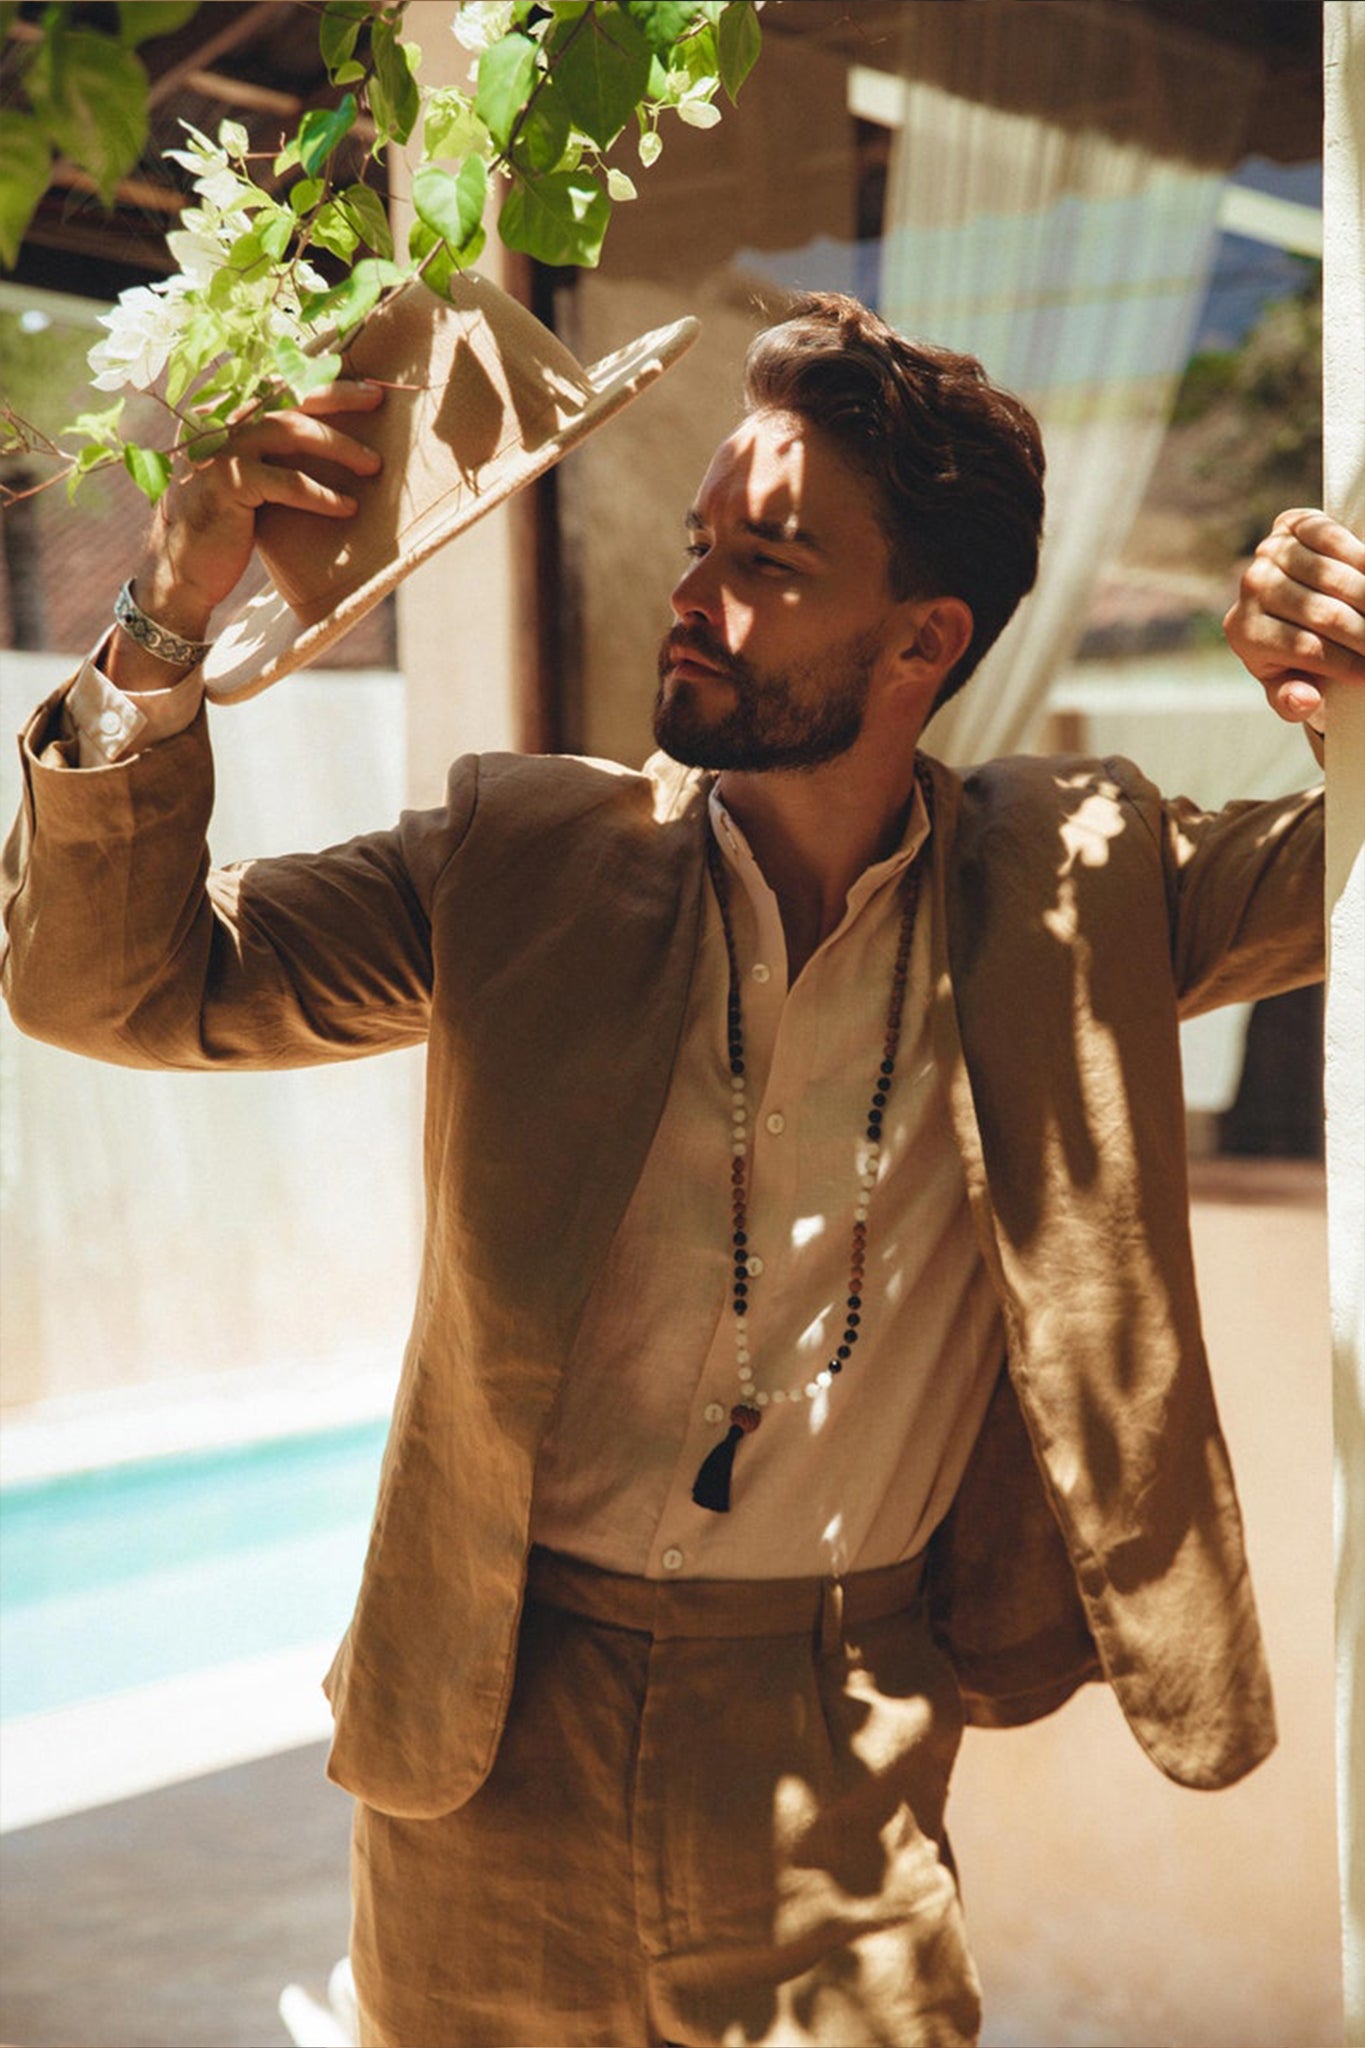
<point>241,92</point>
<point>67,177</point>
<point>242,28</point>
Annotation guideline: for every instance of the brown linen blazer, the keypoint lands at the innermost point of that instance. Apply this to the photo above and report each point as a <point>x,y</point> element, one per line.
<point>538,932</point>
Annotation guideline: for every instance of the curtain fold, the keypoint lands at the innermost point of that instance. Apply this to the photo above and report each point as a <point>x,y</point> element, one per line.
<point>1068,249</point>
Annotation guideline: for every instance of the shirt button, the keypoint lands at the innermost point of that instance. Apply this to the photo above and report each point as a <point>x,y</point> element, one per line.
<point>672,1559</point>
<point>111,725</point>
<point>755,1265</point>
<point>762,971</point>
<point>713,1412</point>
<point>776,1123</point>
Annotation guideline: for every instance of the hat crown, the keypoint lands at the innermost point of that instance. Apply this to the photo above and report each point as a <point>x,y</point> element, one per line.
<point>468,382</point>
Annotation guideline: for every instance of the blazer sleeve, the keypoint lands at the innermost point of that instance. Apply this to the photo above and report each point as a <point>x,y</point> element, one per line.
<point>123,943</point>
<point>1244,891</point>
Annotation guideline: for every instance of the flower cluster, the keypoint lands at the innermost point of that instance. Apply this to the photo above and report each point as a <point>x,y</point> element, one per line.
<point>247,321</point>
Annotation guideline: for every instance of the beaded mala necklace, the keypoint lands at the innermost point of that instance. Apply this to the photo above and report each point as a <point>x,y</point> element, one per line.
<point>711,1487</point>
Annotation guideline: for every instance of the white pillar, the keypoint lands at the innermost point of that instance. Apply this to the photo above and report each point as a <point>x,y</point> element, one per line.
<point>1344,453</point>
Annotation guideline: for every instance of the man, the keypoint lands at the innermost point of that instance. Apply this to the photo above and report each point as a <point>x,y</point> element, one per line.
<point>807,1286</point>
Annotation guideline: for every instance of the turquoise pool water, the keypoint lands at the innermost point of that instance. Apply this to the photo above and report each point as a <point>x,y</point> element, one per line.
<point>123,1577</point>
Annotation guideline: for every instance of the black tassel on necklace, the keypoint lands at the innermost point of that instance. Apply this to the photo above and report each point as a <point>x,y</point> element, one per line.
<point>711,1487</point>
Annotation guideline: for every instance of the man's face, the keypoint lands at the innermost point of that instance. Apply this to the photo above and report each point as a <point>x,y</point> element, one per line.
<point>781,616</point>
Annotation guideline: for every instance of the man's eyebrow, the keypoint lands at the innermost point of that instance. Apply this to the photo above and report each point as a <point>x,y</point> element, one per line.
<point>783,531</point>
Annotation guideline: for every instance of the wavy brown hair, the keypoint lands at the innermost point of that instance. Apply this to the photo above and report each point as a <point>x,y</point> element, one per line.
<point>956,463</point>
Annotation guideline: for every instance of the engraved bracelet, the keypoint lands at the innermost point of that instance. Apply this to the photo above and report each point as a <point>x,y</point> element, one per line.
<point>158,640</point>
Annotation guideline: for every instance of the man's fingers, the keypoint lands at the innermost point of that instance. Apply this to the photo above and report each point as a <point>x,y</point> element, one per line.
<point>348,394</point>
<point>1321,534</point>
<point>289,437</point>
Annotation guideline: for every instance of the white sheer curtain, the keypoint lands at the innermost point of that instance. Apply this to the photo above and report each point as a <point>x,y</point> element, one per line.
<point>1069,250</point>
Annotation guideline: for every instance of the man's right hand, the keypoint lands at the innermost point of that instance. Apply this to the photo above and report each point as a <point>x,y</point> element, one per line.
<point>204,527</point>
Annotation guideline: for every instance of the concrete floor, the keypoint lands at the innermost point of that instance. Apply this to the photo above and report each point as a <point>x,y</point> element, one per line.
<point>1106,1907</point>
<point>175,1920</point>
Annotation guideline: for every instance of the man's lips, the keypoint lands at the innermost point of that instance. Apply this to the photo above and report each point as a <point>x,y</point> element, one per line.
<point>681,659</point>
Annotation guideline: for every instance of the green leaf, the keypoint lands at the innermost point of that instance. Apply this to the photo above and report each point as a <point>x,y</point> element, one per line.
<point>507,72</point>
<point>738,42</point>
<point>341,24</point>
<point>363,208</point>
<point>304,373</point>
<point>544,134</point>
<point>25,158</point>
<point>141,22</point>
<point>321,130</point>
<point>450,127</point>
<point>558,219</point>
<point>149,469</point>
<point>276,230</point>
<point>349,74</point>
<point>304,196</point>
<point>451,206</point>
<point>602,68</point>
<point>102,427</point>
<point>394,99</point>
<point>432,252</point>
<point>332,230</point>
<point>696,59</point>
<point>347,304</point>
<point>664,22</point>
<point>91,96</point>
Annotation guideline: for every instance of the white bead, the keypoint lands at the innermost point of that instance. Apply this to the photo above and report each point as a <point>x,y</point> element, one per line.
<point>824,1379</point>
<point>795,1393</point>
<point>860,1213</point>
<point>811,1390</point>
<point>779,1393</point>
<point>739,1148</point>
<point>761,1400</point>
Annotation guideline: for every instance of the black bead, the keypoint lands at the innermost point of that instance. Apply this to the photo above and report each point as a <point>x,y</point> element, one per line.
<point>879,1099</point>
<point>855,1301</point>
<point>741,1308</point>
<point>853,1319</point>
<point>741,1237</point>
<point>836,1365</point>
<point>887,1067</point>
<point>844,1351</point>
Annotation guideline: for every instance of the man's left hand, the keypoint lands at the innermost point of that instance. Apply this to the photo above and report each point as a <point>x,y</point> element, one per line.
<point>1299,619</point>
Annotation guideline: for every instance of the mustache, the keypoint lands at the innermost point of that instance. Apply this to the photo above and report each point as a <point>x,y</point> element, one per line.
<point>685,640</point>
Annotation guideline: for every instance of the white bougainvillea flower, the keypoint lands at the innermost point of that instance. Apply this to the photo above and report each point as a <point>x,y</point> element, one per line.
<point>143,327</point>
<point>198,252</point>
<point>207,163</point>
<point>619,186</point>
<point>697,111</point>
<point>478,23</point>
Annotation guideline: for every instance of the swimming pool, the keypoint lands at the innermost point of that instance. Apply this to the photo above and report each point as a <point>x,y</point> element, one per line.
<point>139,1575</point>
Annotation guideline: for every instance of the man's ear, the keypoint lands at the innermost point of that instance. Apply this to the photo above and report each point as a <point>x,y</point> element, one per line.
<point>937,633</point>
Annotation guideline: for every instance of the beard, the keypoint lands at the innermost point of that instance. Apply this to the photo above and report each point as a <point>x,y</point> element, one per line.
<point>804,716</point>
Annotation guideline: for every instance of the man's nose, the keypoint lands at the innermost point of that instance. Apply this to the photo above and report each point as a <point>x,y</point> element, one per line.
<point>696,594</point>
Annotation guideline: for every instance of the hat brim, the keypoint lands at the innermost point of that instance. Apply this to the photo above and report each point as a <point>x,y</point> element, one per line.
<point>266,636</point>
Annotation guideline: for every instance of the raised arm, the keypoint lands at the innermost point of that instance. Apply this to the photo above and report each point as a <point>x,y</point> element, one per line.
<point>121,942</point>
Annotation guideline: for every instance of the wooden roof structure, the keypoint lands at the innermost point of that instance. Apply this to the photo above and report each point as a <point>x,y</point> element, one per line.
<point>256,62</point>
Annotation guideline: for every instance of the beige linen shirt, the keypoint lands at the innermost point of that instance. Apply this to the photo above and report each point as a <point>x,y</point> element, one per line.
<point>860,1475</point>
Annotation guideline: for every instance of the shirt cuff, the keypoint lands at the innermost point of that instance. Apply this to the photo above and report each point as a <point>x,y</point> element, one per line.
<point>112,725</point>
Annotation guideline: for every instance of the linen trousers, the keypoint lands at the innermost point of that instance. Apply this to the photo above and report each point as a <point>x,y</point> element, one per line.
<point>716,1816</point>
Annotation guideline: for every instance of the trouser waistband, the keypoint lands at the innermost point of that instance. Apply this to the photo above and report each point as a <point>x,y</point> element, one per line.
<point>679,1608</point>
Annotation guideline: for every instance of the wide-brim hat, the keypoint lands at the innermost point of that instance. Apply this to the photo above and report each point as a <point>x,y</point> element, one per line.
<point>480,398</point>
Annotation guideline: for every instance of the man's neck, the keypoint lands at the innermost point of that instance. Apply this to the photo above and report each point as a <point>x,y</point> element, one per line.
<point>813,832</point>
